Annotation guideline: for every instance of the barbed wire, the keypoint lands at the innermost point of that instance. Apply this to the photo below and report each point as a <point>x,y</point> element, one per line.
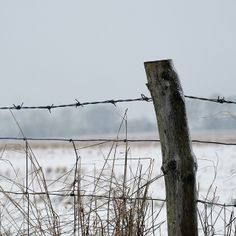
<point>220,100</point>
<point>107,140</point>
<point>143,98</point>
<point>77,104</point>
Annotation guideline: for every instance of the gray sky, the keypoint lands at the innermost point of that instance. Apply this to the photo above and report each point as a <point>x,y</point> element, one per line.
<point>55,51</point>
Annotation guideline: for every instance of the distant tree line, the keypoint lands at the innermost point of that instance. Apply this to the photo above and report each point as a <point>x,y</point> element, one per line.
<point>97,120</point>
<point>94,120</point>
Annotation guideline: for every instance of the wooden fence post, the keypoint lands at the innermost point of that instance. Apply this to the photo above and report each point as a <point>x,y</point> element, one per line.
<point>178,163</point>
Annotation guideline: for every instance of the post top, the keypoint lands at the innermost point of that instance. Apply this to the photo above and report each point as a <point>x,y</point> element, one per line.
<point>160,65</point>
<point>164,61</point>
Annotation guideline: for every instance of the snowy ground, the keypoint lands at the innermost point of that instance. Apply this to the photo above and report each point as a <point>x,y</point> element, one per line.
<point>215,178</point>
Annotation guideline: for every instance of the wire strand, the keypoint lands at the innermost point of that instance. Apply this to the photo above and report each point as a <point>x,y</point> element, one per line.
<point>106,197</point>
<point>143,98</point>
<point>106,140</point>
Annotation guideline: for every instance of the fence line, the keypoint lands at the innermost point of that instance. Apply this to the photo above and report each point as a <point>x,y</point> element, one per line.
<point>143,98</point>
<point>104,140</point>
<point>76,194</point>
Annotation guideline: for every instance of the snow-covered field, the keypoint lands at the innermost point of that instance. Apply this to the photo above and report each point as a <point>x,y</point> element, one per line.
<point>52,168</point>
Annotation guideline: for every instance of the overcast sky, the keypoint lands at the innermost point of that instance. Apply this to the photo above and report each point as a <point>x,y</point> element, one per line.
<point>53,51</point>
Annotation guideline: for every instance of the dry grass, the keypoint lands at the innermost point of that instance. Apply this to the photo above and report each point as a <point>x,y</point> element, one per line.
<point>113,199</point>
<point>215,218</point>
<point>105,202</point>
